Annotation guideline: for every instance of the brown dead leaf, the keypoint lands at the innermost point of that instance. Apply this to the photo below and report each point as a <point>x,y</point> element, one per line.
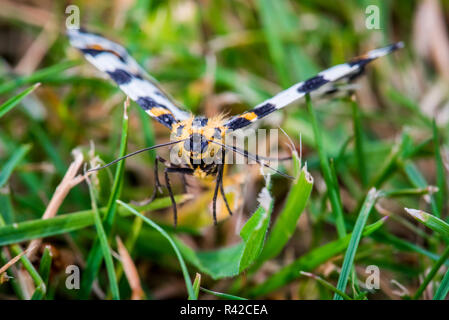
<point>130,271</point>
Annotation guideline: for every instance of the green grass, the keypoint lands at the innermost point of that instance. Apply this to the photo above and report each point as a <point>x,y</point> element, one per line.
<point>95,256</point>
<point>192,293</point>
<point>225,57</point>
<point>354,242</point>
<point>104,246</point>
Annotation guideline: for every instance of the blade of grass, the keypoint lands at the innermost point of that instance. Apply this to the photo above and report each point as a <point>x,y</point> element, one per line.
<point>42,137</point>
<point>406,192</point>
<point>332,187</point>
<point>406,102</point>
<point>442,228</point>
<point>185,272</point>
<point>104,245</point>
<point>11,103</point>
<point>196,285</point>
<point>432,273</point>
<point>38,76</point>
<point>233,260</point>
<point>222,295</point>
<point>348,261</point>
<point>45,265</point>
<point>44,271</point>
<point>95,256</point>
<point>12,163</point>
<point>430,221</point>
<point>387,167</point>
<point>9,275</point>
<point>443,289</point>
<point>254,231</point>
<point>278,24</point>
<point>7,210</point>
<point>286,222</point>
<point>17,250</point>
<point>64,223</point>
<point>418,180</point>
<point>325,284</point>
<point>307,262</point>
<point>275,47</point>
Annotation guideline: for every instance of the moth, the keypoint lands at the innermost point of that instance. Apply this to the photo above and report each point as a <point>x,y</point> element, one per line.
<point>198,138</point>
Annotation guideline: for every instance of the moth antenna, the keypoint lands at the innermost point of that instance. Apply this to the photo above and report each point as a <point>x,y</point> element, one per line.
<point>134,153</point>
<point>252,157</point>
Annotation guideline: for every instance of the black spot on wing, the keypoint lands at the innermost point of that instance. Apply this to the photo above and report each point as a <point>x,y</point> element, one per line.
<point>166,119</point>
<point>312,84</point>
<point>356,74</point>
<point>238,123</point>
<point>147,103</point>
<point>360,62</point>
<point>96,52</point>
<point>92,52</point>
<point>121,76</point>
<point>264,110</point>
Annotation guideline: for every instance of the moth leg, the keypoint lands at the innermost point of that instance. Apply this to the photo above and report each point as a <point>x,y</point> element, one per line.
<point>214,199</point>
<point>222,190</point>
<point>157,184</point>
<point>183,171</point>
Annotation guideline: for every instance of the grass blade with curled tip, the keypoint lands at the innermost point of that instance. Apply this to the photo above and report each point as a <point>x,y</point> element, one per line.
<point>442,228</point>
<point>430,221</point>
<point>254,231</point>
<point>286,222</point>
<point>104,245</point>
<point>185,272</point>
<point>12,163</point>
<point>332,186</point>
<point>95,257</point>
<point>11,103</point>
<point>348,261</point>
